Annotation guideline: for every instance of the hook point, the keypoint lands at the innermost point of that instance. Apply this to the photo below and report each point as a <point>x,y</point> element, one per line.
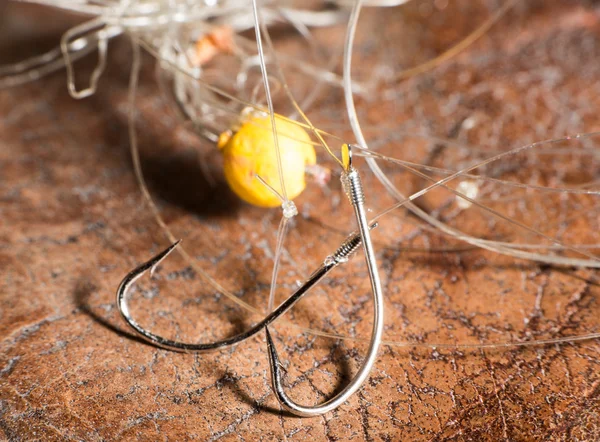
<point>162,255</point>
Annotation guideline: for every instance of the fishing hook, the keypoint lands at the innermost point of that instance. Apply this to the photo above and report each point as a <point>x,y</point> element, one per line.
<point>341,255</point>
<point>352,185</point>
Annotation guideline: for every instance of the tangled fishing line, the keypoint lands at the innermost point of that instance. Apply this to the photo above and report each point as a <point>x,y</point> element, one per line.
<point>218,65</point>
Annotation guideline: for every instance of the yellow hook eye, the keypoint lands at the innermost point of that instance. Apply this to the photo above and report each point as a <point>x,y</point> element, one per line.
<point>346,156</point>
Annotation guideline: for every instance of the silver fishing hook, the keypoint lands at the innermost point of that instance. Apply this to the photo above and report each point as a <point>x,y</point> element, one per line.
<point>341,255</point>
<point>353,187</point>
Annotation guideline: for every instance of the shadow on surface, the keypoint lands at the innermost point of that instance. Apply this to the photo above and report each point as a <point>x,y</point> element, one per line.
<point>336,356</point>
<point>83,290</point>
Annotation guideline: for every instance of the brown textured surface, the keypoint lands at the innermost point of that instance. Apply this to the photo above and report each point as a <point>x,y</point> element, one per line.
<point>72,224</point>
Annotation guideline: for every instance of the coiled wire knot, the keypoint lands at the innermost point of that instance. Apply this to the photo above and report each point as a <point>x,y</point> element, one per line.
<point>352,185</point>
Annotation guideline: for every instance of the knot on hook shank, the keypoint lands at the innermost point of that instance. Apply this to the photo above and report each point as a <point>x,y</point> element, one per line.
<point>349,247</point>
<point>352,185</point>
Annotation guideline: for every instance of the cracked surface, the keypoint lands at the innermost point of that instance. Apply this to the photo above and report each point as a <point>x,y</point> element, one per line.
<point>72,224</point>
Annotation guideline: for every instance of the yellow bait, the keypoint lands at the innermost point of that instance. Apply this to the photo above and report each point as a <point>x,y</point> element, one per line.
<point>251,152</point>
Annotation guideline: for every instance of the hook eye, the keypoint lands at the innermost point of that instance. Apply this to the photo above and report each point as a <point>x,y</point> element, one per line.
<point>347,156</point>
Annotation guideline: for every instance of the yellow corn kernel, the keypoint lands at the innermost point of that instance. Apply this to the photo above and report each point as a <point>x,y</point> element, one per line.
<point>250,152</point>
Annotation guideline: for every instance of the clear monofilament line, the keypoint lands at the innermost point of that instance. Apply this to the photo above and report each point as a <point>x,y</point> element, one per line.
<point>356,128</point>
<point>281,234</point>
<point>267,87</point>
<point>135,155</point>
<point>353,187</point>
<point>295,104</point>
